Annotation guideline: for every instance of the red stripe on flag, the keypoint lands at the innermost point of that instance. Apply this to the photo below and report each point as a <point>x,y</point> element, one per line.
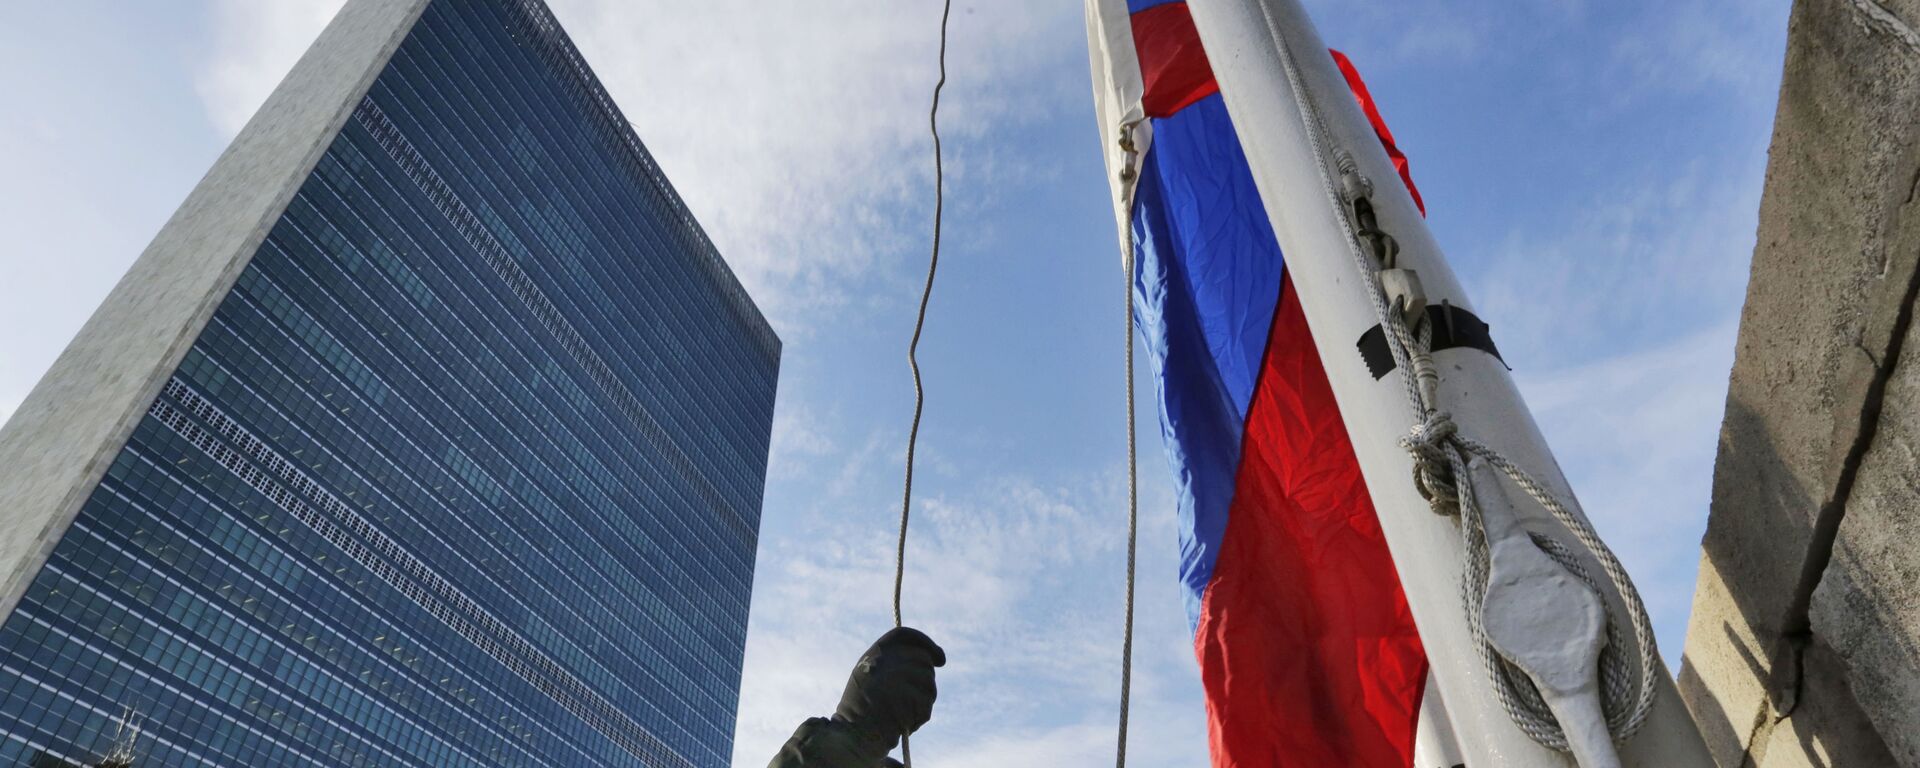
<point>1173,65</point>
<point>1360,94</point>
<point>1307,648</point>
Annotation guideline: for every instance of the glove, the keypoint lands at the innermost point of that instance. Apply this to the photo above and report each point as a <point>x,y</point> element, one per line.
<point>891,691</point>
<point>889,695</point>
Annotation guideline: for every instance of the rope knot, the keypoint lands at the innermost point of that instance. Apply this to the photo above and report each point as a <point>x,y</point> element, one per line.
<point>1428,444</point>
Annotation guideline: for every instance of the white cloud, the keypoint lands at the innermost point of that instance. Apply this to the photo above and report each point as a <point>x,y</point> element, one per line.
<point>798,437</point>
<point>1399,32</point>
<point>1157,738</point>
<point>254,45</point>
<point>1691,46</point>
<point>797,132</point>
<point>1642,260</point>
<point>1021,582</point>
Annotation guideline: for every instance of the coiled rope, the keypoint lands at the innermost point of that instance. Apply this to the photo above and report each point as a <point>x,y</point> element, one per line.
<point>1440,464</point>
<point>1440,454</point>
<point>913,348</point>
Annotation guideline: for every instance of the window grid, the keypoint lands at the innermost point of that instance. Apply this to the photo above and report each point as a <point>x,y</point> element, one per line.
<point>438,597</point>
<point>375,120</point>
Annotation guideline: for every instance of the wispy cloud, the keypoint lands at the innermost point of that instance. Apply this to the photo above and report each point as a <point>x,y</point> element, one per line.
<point>798,131</point>
<point>1019,578</point>
<point>1691,46</point>
<point>799,437</point>
<point>1643,261</point>
<point>1401,32</point>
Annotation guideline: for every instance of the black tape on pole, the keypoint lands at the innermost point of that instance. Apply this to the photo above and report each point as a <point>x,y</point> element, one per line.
<point>1453,328</point>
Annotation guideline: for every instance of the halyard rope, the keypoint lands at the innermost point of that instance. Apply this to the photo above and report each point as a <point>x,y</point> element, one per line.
<point>913,348</point>
<point>1439,453</point>
<point>1128,177</point>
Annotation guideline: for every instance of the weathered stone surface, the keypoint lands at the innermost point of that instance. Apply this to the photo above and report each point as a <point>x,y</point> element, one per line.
<point>1833,279</point>
<point>1826,730</point>
<point>1723,675</point>
<point>1868,604</point>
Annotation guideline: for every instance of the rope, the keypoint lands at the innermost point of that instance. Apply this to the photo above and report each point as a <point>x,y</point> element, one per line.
<point>1127,177</point>
<point>1440,454</point>
<point>1440,460</point>
<point>913,348</point>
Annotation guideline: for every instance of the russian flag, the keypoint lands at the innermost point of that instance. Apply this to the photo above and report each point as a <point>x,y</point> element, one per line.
<point>1307,649</point>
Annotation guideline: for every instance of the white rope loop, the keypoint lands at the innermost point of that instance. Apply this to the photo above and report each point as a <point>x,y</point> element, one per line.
<point>1440,454</point>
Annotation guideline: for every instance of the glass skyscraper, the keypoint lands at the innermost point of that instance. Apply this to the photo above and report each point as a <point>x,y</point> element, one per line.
<point>462,466</point>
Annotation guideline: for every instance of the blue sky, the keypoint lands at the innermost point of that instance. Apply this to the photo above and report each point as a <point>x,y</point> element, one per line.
<point>1593,169</point>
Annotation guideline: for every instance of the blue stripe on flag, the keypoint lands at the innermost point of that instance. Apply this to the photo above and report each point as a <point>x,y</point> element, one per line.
<point>1210,273</point>
<point>1136,6</point>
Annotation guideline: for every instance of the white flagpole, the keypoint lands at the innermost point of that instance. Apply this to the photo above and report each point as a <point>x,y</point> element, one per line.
<point>1299,126</point>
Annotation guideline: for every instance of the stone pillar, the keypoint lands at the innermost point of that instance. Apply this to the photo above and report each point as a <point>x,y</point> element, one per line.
<point>1804,647</point>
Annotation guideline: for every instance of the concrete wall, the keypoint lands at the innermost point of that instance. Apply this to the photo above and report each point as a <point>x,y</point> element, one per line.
<point>59,442</point>
<point>1804,649</point>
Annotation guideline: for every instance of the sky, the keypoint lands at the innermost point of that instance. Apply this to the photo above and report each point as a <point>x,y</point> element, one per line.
<point>1593,170</point>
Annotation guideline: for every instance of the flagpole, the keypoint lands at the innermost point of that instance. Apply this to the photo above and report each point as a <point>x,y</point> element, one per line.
<point>1312,152</point>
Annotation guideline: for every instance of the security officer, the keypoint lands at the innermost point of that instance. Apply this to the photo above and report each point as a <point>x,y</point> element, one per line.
<point>889,696</point>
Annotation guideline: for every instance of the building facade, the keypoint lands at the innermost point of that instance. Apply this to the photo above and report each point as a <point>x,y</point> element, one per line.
<point>431,431</point>
<point>1803,648</point>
